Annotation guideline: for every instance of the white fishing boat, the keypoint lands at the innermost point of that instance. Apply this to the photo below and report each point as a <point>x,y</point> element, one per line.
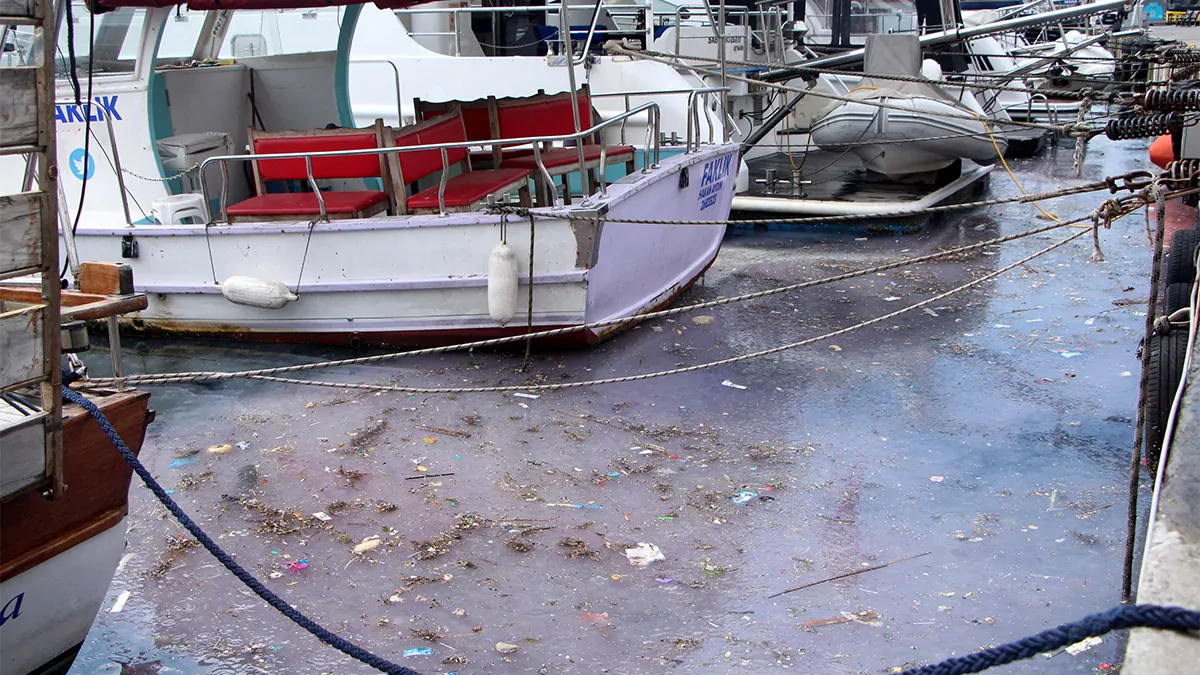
<point>388,234</point>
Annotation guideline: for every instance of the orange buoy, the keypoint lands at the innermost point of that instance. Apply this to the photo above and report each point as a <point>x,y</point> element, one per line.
<point>1162,152</point>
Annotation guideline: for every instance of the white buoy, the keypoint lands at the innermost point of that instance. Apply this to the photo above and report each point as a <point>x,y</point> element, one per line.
<point>502,283</point>
<point>254,292</point>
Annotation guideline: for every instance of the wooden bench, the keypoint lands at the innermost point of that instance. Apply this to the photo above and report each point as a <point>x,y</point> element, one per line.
<point>301,205</point>
<point>463,192</point>
<point>551,115</point>
<point>491,119</point>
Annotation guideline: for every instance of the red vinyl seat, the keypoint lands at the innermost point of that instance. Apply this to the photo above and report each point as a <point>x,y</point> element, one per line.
<point>462,192</point>
<point>305,204</point>
<point>558,157</point>
<point>467,188</point>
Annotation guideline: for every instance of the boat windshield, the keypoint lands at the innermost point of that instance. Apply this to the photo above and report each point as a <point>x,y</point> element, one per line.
<point>866,16</point>
<point>105,44</point>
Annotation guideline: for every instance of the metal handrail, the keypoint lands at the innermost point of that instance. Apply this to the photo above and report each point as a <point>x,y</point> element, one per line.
<point>651,150</point>
<point>693,109</point>
<point>561,10</point>
<point>396,73</point>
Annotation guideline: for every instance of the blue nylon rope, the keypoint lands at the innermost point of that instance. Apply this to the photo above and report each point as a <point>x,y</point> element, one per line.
<point>1117,618</point>
<point>332,639</point>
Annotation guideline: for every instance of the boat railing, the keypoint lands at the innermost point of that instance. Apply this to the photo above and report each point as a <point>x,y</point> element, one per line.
<point>864,24</point>
<point>767,31</point>
<point>702,96</point>
<point>560,43</point>
<point>396,78</point>
<point>711,22</point>
<point>651,149</point>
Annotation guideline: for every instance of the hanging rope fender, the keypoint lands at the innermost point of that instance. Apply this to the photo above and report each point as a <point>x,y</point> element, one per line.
<point>328,637</point>
<point>1104,214</point>
<point>1117,618</point>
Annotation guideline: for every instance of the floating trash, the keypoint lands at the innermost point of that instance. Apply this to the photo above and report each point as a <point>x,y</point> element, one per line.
<point>506,648</point>
<point>368,544</point>
<point>643,554</point>
<point>743,496</point>
<point>418,651</point>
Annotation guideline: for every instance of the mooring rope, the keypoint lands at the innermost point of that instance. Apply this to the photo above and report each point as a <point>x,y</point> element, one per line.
<point>1133,180</point>
<point>210,376</point>
<point>651,375</point>
<point>1117,618</point>
<point>1073,129</point>
<point>323,634</point>
<point>1058,93</point>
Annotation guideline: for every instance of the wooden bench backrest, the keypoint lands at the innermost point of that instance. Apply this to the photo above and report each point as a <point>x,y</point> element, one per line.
<point>447,128</point>
<point>542,115</point>
<point>319,140</point>
<point>478,116</point>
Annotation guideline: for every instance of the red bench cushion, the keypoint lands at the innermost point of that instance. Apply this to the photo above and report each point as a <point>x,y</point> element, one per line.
<point>542,116</point>
<point>468,188</point>
<point>557,157</point>
<point>305,203</point>
<point>346,166</point>
<point>477,121</point>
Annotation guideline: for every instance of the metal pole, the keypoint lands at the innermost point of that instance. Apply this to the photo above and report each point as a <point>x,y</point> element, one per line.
<point>114,350</point>
<point>68,233</point>
<point>951,36</point>
<point>112,143</point>
<point>564,27</point>
<point>725,131</point>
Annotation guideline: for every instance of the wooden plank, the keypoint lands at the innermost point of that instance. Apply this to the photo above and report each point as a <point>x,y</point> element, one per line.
<point>22,453</point>
<point>21,334</point>
<point>18,106</point>
<point>114,306</point>
<point>20,232</point>
<point>78,306</point>
<point>32,295</point>
<point>104,278</point>
<point>29,9</point>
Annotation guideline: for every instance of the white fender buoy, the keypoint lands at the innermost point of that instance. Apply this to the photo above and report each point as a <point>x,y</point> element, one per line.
<point>254,292</point>
<point>502,283</point>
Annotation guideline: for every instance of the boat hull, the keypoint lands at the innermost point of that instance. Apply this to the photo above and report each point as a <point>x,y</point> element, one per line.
<point>423,279</point>
<point>57,557</point>
<point>50,607</point>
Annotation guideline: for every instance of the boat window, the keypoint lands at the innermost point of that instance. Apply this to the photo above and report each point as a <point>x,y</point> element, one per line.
<point>282,31</point>
<point>179,35</point>
<point>18,46</point>
<point>107,43</point>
